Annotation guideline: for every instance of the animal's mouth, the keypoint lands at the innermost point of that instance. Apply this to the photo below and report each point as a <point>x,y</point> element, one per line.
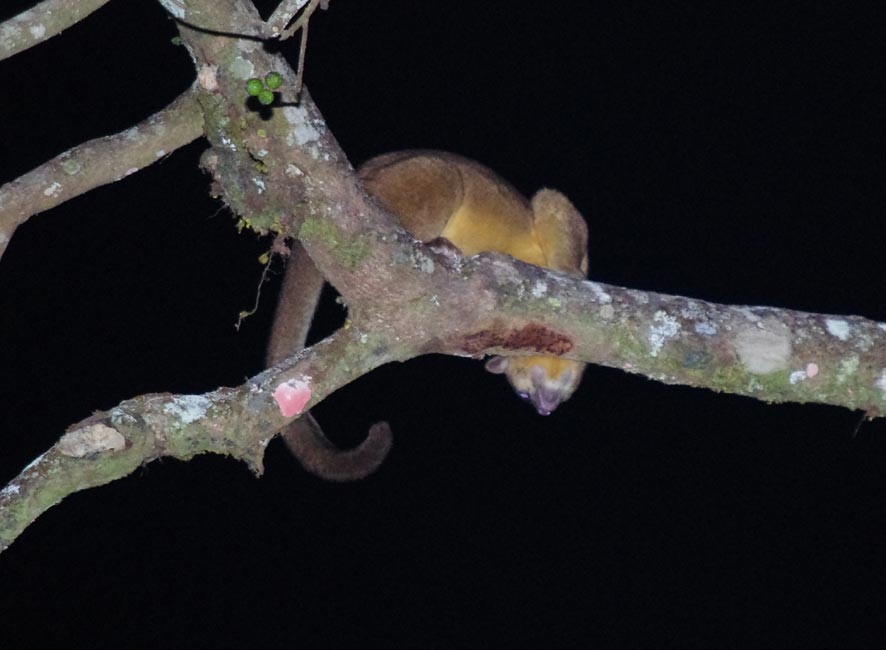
<point>543,396</point>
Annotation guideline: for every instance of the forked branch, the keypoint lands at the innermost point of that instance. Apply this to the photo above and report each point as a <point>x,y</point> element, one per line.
<point>98,162</point>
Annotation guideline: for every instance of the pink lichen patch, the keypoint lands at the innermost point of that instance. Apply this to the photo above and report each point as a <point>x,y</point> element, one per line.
<point>811,370</point>
<point>207,77</point>
<point>292,396</point>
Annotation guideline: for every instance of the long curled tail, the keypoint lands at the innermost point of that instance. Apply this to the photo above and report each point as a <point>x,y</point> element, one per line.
<point>302,284</point>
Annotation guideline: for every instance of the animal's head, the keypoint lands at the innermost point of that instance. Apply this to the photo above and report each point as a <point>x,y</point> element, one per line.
<point>545,382</point>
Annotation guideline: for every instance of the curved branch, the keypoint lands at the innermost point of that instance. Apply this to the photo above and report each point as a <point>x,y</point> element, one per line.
<point>98,162</point>
<point>237,422</point>
<point>42,22</point>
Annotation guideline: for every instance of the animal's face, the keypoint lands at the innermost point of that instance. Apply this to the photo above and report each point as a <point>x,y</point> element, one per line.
<point>545,382</point>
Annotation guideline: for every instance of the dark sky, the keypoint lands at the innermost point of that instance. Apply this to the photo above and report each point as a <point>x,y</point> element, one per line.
<point>730,154</point>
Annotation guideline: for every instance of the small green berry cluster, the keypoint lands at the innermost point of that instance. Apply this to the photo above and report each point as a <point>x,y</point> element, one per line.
<point>264,89</point>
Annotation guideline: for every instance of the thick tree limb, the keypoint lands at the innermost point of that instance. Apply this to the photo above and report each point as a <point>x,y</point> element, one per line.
<point>488,304</point>
<point>768,353</point>
<point>455,306</point>
<point>42,22</point>
<point>98,162</point>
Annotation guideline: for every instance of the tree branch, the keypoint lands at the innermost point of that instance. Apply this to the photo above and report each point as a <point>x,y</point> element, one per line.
<point>284,14</point>
<point>282,171</point>
<point>42,22</point>
<point>768,353</point>
<point>306,188</point>
<point>98,162</point>
<point>236,422</point>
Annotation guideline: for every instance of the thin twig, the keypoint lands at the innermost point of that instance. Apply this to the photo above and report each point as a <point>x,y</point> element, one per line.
<point>284,14</point>
<point>261,282</point>
<point>300,73</point>
<point>302,20</point>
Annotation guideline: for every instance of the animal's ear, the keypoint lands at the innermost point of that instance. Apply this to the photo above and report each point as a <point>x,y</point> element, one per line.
<point>497,365</point>
<point>562,232</point>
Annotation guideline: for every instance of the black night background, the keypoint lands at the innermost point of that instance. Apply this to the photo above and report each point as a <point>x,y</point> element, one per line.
<point>732,153</point>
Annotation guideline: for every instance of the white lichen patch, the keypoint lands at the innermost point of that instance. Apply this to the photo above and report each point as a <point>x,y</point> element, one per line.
<point>881,382</point>
<point>53,190</point>
<point>600,295</point>
<point>606,312</point>
<point>838,328</point>
<point>302,131</point>
<point>692,311</point>
<point>764,347</point>
<point>423,262</point>
<point>748,313</point>
<point>293,170</point>
<point>188,408</point>
<point>38,31</point>
<point>539,289</point>
<point>847,368</point>
<point>174,7</point>
<point>241,68</point>
<point>882,326</point>
<point>639,297</point>
<point>160,153</point>
<point>10,33</point>
<point>260,184</point>
<point>666,327</point>
<point>121,418</point>
<point>863,341</point>
<point>10,490</point>
<point>92,439</point>
<point>71,167</point>
<point>705,328</point>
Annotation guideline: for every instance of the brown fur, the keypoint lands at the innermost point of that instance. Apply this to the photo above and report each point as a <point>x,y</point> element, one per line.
<point>442,196</point>
<point>437,194</point>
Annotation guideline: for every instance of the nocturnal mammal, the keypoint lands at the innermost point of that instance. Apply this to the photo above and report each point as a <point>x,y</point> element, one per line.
<point>442,195</point>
